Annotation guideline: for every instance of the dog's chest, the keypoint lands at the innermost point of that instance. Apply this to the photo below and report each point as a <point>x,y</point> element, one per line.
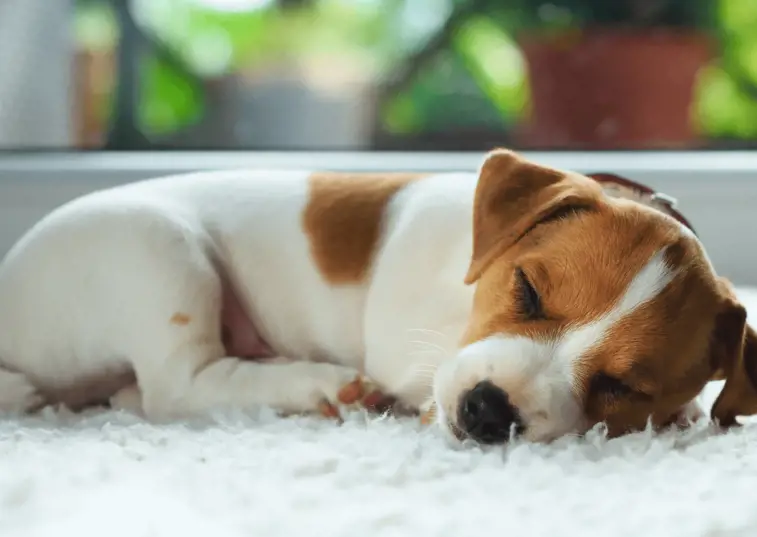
<point>267,259</point>
<point>387,324</point>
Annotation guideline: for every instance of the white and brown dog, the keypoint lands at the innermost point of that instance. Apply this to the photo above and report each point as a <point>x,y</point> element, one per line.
<point>522,299</point>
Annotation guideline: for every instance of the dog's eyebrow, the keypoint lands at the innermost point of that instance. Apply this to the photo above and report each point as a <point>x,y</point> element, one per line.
<point>561,213</point>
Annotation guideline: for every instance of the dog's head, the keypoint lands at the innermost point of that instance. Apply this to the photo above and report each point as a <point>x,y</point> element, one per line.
<point>587,309</point>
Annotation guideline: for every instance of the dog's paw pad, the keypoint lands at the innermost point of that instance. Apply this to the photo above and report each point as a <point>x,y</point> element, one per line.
<point>329,410</point>
<point>378,402</point>
<point>360,394</point>
<point>352,393</point>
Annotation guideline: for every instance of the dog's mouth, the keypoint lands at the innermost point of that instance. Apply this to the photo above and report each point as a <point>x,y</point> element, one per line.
<point>456,431</point>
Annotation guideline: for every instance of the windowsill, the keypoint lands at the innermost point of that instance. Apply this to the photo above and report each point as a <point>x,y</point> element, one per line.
<point>173,161</point>
<point>714,189</point>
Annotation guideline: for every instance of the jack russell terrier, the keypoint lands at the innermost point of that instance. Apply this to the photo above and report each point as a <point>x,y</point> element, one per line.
<point>521,300</point>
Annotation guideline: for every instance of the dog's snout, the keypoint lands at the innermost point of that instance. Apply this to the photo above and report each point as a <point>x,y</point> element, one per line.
<point>487,415</point>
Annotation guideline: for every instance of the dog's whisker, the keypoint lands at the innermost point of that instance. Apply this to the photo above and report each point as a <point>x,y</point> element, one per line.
<point>424,386</point>
<point>425,345</point>
<point>422,354</point>
<point>423,351</point>
<point>423,374</point>
<point>431,332</point>
<point>428,378</point>
<point>426,369</point>
<point>432,352</point>
<point>430,345</point>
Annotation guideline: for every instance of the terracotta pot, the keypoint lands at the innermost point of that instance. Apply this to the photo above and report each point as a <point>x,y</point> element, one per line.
<point>611,89</point>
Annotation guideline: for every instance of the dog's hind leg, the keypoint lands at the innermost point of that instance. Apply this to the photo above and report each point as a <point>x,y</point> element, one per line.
<point>164,315</point>
<point>17,394</point>
<point>128,399</point>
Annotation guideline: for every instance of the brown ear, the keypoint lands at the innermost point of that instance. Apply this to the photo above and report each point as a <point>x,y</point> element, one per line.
<point>512,196</point>
<point>734,351</point>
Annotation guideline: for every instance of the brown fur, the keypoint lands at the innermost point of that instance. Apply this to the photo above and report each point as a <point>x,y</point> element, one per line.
<point>343,220</point>
<point>660,351</point>
<point>181,319</point>
<point>734,356</point>
<point>664,351</point>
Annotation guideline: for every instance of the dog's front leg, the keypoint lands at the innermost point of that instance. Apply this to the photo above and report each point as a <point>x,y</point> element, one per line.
<point>291,387</point>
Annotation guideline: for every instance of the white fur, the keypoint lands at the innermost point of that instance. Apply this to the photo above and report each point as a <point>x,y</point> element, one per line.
<point>89,292</point>
<point>539,376</point>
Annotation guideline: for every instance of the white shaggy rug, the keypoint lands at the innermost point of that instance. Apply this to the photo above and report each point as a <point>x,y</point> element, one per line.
<point>110,475</point>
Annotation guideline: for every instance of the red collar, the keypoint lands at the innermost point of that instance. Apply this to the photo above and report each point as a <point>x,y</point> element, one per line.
<point>658,200</point>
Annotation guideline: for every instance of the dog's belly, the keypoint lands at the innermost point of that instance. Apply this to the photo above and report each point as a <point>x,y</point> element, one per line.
<point>294,317</point>
<point>292,308</point>
<point>240,336</point>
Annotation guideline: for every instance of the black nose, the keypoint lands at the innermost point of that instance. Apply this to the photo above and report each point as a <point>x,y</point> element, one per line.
<point>486,414</point>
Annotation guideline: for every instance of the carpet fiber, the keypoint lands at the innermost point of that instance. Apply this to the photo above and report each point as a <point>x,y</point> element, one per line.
<point>110,475</point>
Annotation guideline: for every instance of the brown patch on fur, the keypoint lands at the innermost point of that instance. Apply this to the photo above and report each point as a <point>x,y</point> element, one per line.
<point>580,262</point>
<point>659,352</point>
<point>352,392</point>
<point>513,196</point>
<point>343,220</point>
<point>181,319</point>
<point>734,356</point>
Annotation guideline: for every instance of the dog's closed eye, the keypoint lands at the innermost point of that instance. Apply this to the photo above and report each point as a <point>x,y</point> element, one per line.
<point>527,298</point>
<point>604,384</point>
<point>612,387</point>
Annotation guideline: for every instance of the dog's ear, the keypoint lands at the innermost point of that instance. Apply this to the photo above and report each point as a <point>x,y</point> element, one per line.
<point>734,354</point>
<point>512,196</point>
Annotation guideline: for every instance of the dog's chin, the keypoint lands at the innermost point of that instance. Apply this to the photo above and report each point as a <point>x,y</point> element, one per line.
<point>456,432</point>
<point>539,390</point>
<point>539,432</point>
<point>445,423</point>
<point>686,417</point>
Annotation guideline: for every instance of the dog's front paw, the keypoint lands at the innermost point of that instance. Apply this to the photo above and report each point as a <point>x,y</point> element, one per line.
<point>340,388</point>
<point>362,393</point>
<point>18,395</point>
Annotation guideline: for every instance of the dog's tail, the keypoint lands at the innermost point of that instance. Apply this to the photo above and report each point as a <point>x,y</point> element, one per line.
<point>18,395</point>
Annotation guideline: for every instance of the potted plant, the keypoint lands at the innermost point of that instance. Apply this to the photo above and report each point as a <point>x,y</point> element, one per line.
<point>610,74</point>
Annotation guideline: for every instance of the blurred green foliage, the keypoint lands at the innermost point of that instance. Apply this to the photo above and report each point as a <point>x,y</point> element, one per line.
<point>726,104</point>
<point>478,80</point>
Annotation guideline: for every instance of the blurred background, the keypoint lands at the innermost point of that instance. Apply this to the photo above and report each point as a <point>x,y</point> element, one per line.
<point>378,74</point>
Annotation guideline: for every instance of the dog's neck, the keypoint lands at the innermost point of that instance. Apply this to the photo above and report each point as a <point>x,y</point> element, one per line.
<point>621,187</point>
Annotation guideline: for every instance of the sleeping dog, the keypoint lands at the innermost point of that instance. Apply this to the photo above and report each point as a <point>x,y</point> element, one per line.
<point>519,300</point>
